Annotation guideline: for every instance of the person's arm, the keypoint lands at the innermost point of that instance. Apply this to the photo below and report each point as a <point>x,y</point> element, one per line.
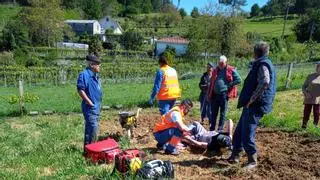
<point>156,85</point>
<point>192,142</point>
<point>203,84</point>
<point>263,84</point>
<point>305,86</point>
<point>84,96</point>
<point>81,86</point>
<point>236,79</point>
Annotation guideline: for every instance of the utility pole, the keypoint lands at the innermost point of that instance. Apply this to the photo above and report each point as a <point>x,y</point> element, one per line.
<point>289,3</point>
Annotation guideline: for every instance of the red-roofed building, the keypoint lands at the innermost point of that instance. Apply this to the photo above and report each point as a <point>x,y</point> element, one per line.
<point>179,43</point>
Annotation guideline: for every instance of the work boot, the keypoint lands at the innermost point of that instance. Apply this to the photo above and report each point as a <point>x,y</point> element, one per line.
<point>175,152</point>
<point>234,158</point>
<point>160,147</point>
<point>252,162</point>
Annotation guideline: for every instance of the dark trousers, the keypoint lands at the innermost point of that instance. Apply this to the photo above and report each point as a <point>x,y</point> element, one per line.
<point>307,112</point>
<point>244,136</point>
<point>218,101</point>
<point>205,107</point>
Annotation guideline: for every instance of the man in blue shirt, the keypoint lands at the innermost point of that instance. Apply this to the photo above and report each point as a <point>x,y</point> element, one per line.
<point>89,89</point>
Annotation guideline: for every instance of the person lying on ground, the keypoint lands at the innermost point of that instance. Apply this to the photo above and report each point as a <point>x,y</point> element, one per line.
<point>199,137</point>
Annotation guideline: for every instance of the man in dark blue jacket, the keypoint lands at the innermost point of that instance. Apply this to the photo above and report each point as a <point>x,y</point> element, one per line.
<point>89,89</point>
<point>256,98</point>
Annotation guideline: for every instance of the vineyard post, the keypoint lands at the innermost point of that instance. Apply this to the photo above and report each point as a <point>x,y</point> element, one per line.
<point>22,109</point>
<point>29,73</point>
<point>288,80</point>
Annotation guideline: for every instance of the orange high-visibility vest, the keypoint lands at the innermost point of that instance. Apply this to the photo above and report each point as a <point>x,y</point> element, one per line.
<point>169,86</point>
<point>165,121</point>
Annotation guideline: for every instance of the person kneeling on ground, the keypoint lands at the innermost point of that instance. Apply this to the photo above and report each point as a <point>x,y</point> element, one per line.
<point>169,130</point>
<point>209,140</point>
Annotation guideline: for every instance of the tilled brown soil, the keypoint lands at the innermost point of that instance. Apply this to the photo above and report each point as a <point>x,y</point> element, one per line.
<point>282,155</point>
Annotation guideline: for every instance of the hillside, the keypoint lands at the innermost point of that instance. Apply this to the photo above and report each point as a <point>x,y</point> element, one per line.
<point>269,27</point>
<point>7,12</point>
<point>265,26</point>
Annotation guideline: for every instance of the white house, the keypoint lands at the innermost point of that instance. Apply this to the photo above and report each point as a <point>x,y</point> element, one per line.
<point>179,43</point>
<point>90,27</point>
<point>108,23</point>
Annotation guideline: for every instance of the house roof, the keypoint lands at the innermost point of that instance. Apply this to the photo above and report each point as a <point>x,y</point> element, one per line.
<point>80,21</point>
<point>175,40</point>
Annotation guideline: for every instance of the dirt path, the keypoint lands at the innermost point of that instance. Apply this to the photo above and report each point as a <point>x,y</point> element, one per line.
<point>282,155</point>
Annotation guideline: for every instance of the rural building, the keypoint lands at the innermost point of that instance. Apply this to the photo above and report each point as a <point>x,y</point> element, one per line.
<point>80,27</point>
<point>179,43</point>
<point>108,23</point>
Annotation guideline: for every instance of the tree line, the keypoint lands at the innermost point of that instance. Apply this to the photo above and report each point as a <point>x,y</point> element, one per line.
<point>94,9</point>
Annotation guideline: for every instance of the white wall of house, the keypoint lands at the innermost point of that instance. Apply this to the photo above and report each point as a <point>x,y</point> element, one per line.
<point>180,48</point>
<point>96,28</point>
<point>85,26</point>
<point>109,23</point>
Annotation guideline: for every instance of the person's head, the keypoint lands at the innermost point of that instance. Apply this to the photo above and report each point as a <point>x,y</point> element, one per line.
<point>261,49</point>
<point>186,106</point>
<point>93,63</point>
<point>162,60</point>
<point>318,68</point>
<point>210,67</point>
<point>222,62</point>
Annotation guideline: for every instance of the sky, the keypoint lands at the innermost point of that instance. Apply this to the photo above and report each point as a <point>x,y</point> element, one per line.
<point>189,4</point>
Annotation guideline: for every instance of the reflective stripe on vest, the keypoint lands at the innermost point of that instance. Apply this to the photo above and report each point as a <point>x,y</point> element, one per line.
<point>169,86</point>
<point>165,121</point>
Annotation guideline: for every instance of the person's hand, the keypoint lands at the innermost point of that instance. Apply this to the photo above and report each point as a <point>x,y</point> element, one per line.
<point>90,104</point>
<point>203,145</point>
<point>248,104</point>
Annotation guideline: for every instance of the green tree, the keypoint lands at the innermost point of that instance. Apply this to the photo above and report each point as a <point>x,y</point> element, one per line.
<point>15,35</point>
<point>93,9</point>
<point>111,7</point>
<point>182,12</point>
<point>255,10</point>
<point>44,20</point>
<point>71,4</point>
<point>146,6</point>
<point>156,5</point>
<point>307,27</point>
<point>235,4</point>
<point>132,40</point>
<point>195,12</point>
<point>95,45</point>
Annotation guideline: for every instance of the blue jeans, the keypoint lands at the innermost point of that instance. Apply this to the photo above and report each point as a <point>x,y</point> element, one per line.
<point>218,101</point>
<point>91,117</point>
<point>205,107</point>
<point>165,105</point>
<point>163,138</point>
<point>244,136</point>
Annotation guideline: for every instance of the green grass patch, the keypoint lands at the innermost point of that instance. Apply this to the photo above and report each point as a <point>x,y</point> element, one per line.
<point>269,27</point>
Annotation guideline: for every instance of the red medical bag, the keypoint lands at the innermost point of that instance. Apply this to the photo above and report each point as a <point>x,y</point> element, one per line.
<point>104,151</point>
<point>122,160</point>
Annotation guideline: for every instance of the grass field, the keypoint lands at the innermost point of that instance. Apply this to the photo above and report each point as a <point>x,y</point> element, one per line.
<point>268,27</point>
<point>65,99</point>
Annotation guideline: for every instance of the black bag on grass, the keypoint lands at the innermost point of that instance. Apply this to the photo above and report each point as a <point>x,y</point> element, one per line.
<point>156,169</point>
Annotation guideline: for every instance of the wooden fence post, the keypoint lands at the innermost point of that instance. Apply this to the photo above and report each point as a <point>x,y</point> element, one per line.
<point>22,109</point>
<point>288,80</point>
